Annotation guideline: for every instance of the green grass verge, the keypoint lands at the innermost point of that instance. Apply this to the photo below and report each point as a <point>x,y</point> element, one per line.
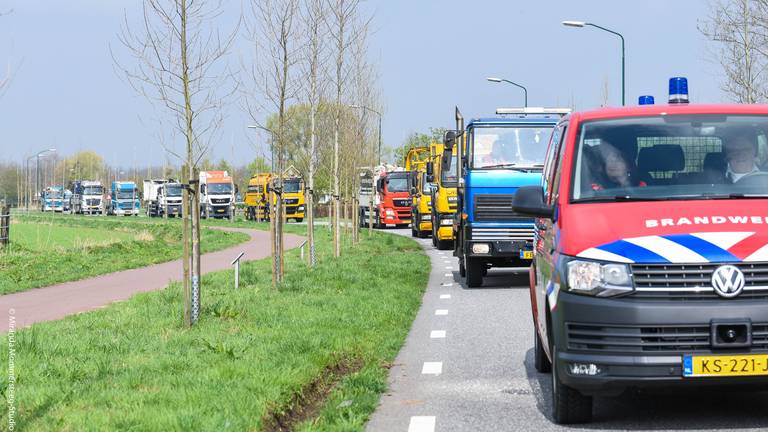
<point>47,250</point>
<point>133,366</point>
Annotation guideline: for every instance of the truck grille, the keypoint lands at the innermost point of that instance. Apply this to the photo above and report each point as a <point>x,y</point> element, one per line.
<point>502,234</point>
<point>291,201</point>
<point>663,339</point>
<point>694,281</point>
<point>495,207</point>
<point>92,202</point>
<point>402,202</point>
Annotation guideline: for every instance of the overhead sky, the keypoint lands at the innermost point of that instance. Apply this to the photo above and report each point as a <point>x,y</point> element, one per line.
<point>432,55</point>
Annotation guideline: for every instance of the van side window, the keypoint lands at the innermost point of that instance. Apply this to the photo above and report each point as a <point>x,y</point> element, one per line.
<point>549,161</point>
<point>557,166</point>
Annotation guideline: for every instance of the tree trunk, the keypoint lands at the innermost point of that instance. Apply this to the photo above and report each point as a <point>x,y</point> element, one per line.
<point>185,208</point>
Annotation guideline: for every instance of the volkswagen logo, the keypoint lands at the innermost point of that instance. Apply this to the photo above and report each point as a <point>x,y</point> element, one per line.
<point>728,281</point>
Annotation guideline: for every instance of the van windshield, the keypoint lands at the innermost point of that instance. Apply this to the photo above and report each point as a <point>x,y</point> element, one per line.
<point>671,157</point>
<point>509,147</point>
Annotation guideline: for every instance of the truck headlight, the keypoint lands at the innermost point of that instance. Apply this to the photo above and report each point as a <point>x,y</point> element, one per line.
<point>301,208</point>
<point>445,222</point>
<point>389,212</point>
<point>598,279</point>
<point>426,217</point>
<point>453,199</point>
<point>481,248</point>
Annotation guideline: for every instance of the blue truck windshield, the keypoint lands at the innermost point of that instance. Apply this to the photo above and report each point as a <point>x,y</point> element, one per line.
<point>672,157</point>
<point>506,147</point>
<point>123,195</point>
<point>219,188</point>
<point>53,194</point>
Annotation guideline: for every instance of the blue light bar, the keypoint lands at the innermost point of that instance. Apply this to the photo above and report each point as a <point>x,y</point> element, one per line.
<point>645,100</point>
<point>678,90</point>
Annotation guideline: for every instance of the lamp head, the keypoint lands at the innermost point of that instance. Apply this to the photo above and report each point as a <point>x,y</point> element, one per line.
<point>574,23</point>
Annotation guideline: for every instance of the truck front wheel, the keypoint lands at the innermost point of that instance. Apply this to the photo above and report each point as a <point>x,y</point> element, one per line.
<point>473,269</point>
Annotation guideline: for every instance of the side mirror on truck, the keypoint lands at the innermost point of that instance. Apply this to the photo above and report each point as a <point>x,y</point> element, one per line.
<point>430,169</point>
<point>529,201</point>
<point>449,140</point>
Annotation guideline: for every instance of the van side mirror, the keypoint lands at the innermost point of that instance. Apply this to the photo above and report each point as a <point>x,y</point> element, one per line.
<point>529,200</point>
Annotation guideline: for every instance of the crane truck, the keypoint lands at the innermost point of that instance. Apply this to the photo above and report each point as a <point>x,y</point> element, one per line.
<point>421,207</point>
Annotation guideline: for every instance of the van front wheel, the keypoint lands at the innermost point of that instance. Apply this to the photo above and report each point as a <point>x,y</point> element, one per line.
<point>568,405</point>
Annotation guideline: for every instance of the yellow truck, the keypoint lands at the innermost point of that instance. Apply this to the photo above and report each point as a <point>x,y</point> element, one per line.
<point>261,196</point>
<point>420,191</point>
<point>256,197</point>
<point>444,197</point>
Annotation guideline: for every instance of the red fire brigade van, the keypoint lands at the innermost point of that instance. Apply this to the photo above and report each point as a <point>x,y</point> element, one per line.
<point>651,251</point>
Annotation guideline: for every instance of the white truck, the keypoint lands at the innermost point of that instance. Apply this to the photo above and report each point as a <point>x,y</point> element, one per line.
<point>162,197</point>
<point>217,194</point>
<point>87,197</point>
<point>152,203</point>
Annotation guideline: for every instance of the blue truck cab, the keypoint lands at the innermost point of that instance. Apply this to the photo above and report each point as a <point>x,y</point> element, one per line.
<point>497,155</point>
<point>52,199</point>
<point>124,199</point>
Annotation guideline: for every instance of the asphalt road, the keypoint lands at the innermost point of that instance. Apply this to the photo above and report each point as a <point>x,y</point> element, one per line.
<point>467,365</point>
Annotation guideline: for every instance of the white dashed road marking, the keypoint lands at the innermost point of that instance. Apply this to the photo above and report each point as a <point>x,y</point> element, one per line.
<point>449,274</point>
<point>437,334</point>
<point>445,296</point>
<point>422,424</point>
<point>448,284</point>
<point>441,312</point>
<point>432,368</point>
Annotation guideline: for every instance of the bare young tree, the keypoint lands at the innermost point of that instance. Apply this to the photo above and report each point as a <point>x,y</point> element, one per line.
<point>343,29</point>
<point>274,30</point>
<point>738,29</point>
<point>314,59</point>
<point>179,57</point>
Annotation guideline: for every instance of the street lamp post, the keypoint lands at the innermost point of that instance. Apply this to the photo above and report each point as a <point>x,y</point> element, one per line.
<point>580,24</point>
<point>498,80</point>
<point>37,167</point>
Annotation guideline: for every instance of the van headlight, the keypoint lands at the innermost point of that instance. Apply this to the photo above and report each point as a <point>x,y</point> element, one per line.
<point>598,279</point>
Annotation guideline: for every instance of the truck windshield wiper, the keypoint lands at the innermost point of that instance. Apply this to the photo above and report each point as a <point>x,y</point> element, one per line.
<point>509,166</point>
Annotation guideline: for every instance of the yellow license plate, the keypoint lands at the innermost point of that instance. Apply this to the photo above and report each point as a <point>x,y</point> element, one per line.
<point>731,365</point>
<point>526,255</point>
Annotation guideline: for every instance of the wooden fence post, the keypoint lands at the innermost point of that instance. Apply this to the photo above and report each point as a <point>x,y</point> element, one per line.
<point>5,225</point>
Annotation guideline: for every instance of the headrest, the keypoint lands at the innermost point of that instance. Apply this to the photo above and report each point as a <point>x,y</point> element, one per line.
<point>661,157</point>
<point>715,161</point>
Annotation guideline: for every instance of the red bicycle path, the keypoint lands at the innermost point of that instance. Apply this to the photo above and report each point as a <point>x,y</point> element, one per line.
<point>58,301</point>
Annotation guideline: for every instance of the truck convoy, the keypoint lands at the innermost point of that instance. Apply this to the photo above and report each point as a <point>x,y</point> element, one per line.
<point>420,192</point>
<point>217,194</point>
<point>261,196</point>
<point>496,156</point>
<point>124,199</point>
<point>87,197</point>
<point>444,198</point>
<point>162,197</point>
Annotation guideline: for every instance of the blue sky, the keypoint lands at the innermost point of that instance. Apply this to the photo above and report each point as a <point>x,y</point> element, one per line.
<point>431,56</point>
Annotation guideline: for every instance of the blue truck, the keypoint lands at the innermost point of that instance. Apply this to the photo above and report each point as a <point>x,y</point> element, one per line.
<point>124,199</point>
<point>497,155</point>
<point>52,199</point>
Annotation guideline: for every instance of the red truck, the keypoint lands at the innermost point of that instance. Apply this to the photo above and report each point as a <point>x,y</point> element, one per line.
<point>394,203</point>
